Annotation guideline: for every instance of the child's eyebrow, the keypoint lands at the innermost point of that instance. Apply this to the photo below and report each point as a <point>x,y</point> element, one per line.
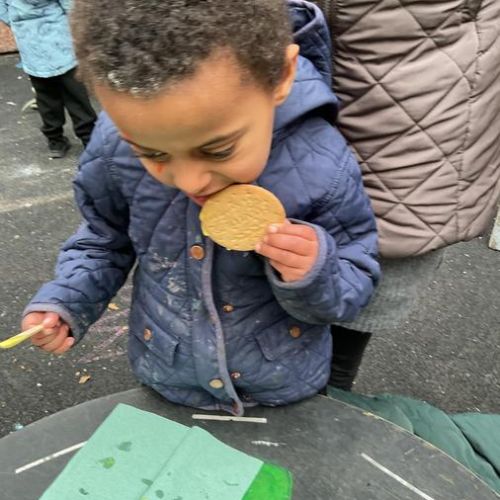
<point>139,146</point>
<point>223,138</point>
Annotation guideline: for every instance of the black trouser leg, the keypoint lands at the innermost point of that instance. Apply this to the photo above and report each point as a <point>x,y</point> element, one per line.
<point>77,103</point>
<point>49,98</point>
<point>348,349</point>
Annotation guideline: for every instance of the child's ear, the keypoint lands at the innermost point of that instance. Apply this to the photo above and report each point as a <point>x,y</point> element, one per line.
<point>285,86</point>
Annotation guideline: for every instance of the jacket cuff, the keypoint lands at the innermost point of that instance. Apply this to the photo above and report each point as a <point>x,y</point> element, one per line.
<point>315,271</point>
<point>76,331</point>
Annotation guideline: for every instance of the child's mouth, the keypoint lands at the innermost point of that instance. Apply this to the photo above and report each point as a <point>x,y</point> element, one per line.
<point>199,200</point>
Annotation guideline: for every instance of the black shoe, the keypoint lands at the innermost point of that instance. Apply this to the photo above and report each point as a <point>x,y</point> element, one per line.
<point>58,148</point>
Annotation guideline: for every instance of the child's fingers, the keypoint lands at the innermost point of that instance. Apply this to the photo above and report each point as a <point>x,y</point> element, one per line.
<point>32,319</point>
<point>51,321</point>
<point>292,243</point>
<point>55,342</point>
<point>45,333</point>
<point>284,257</point>
<point>42,338</point>
<point>46,341</point>
<point>287,273</point>
<point>65,346</point>
<point>301,230</point>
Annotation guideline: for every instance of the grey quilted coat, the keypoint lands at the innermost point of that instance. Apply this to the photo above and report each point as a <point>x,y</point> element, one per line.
<point>419,84</point>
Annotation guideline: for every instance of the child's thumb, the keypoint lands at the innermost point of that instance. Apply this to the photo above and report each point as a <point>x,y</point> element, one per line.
<point>51,320</point>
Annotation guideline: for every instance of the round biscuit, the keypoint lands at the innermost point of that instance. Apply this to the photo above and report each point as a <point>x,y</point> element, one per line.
<point>237,217</point>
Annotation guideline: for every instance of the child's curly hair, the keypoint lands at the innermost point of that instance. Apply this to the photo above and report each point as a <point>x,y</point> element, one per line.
<point>141,46</point>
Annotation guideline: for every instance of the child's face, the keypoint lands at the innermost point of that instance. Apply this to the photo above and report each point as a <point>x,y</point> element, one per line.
<point>206,132</point>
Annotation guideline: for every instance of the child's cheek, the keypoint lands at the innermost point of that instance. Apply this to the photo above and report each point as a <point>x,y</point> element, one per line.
<point>157,170</point>
<point>153,167</point>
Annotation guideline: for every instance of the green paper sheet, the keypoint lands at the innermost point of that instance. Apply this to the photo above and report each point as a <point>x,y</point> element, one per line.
<point>272,483</point>
<point>121,459</point>
<point>204,468</point>
<point>137,455</point>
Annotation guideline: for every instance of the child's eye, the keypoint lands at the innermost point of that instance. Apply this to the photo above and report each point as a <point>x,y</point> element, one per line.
<point>219,155</point>
<point>157,157</point>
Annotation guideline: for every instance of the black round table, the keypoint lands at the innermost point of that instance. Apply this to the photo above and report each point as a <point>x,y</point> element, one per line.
<point>333,450</point>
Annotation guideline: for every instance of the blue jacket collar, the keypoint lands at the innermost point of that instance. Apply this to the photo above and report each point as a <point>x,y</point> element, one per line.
<point>312,87</point>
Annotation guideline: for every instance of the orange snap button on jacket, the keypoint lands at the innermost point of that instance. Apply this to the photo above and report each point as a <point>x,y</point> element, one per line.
<point>148,334</point>
<point>197,252</point>
<point>295,332</point>
<point>228,308</point>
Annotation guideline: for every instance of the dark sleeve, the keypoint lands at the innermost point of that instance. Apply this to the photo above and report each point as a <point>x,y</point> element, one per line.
<point>93,263</point>
<point>346,270</point>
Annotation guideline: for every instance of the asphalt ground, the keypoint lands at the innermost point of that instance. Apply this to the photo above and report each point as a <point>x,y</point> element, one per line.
<point>448,352</point>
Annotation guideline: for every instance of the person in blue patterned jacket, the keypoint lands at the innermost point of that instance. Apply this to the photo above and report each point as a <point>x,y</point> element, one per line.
<point>42,34</point>
<point>199,96</point>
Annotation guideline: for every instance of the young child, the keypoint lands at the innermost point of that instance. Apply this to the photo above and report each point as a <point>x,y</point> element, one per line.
<point>41,31</point>
<point>199,96</point>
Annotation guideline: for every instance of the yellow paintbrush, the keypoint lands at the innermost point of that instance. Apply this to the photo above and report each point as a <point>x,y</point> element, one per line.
<point>20,337</point>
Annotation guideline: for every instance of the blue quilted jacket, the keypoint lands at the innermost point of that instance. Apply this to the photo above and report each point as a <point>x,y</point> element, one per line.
<point>42,34</point>
<point>212,328</point>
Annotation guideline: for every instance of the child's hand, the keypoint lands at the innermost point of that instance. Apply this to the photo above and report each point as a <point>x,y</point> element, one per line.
<point>292,249</point>
<point>54,337</point>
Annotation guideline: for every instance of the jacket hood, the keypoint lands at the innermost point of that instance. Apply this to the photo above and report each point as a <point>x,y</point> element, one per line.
<point>312,87</point>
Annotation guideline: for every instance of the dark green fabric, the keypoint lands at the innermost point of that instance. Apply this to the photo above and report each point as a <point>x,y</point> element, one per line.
<point>473,439</point>
<point>378,405</point>
<point>483,433</point>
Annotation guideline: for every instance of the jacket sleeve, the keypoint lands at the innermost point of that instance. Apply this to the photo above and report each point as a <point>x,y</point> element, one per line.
<point>4,14</point>
<point>93,263</point>
<point>346,271</point>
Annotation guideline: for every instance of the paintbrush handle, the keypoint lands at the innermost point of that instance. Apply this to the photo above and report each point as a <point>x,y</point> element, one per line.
<point>32,331</point>
<point>21,337</point>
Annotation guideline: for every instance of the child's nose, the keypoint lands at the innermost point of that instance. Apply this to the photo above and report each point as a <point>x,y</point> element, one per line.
<point>192,179</point>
